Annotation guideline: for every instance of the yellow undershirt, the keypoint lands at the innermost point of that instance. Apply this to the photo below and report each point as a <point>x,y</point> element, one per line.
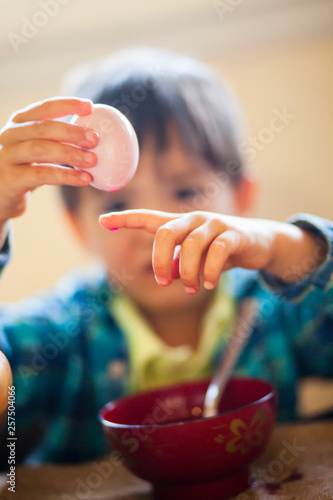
<point>154,363</point>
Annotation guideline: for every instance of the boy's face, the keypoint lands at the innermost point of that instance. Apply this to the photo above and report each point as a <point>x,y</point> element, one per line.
<point>170,181</point>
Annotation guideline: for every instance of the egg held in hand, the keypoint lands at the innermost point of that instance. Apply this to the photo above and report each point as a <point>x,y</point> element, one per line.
<point>117,150</point>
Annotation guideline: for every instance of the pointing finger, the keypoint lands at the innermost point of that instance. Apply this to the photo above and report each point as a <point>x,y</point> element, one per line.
<point>55,107</point>
<point>148,220</point>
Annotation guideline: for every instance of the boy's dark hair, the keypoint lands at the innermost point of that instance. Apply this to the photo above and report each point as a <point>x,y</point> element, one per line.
<point>155,88</point>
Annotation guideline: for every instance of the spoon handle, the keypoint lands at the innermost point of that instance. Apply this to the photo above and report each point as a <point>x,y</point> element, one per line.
<point>238,340</point>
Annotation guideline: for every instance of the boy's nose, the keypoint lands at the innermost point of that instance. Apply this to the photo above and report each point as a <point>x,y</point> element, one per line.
<point>141,243</point>
<point>153,198</point>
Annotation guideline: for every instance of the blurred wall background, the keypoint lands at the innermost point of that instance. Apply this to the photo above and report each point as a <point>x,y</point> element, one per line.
<point>277,55</point>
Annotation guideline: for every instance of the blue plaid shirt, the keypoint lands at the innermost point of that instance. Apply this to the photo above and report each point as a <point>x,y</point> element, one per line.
<point>69,356</point>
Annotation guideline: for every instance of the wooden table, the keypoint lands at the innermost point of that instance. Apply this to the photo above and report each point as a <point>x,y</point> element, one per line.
<point>298,465</point>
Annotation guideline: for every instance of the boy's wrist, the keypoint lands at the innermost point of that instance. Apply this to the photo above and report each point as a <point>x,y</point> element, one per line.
<point>296,253</point>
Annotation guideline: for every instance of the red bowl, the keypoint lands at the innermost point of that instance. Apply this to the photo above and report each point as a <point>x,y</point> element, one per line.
<point>163,439</point>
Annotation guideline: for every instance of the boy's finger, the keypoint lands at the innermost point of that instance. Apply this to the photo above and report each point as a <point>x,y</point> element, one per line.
<point>55,107</point>
<point>224,246</point>
<point>193,248</point>
<point>193,237</point>
<point>148,220</point>
<point>175,263</point>
<point>50,130</point>
<point>53,175</point>
<point>38,151</point>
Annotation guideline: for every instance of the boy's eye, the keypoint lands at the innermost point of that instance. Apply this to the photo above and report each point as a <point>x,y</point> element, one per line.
<point>187,193</point>
<point>117,206</point>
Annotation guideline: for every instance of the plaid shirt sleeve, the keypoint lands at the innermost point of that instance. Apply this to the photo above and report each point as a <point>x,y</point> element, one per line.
<point>308,310</point>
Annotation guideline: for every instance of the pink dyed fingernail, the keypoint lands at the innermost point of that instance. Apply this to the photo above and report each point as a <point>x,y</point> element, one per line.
<point>92,136</point>
<point>113,229</point>
<point>208,285</point>
<point>88,157</point>
<point>162,281</point>
<point>190,290</point>
<point>84,176</point>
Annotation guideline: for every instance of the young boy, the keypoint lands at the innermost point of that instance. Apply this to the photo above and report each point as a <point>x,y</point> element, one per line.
<point>139,322</point>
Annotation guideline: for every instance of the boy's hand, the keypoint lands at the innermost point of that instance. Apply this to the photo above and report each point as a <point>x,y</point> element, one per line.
<point>212,243</point>
<point>33,146</point>
<point>209,243</point>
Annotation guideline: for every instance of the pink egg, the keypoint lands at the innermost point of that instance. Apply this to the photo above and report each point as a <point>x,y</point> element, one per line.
<point>117,150</point>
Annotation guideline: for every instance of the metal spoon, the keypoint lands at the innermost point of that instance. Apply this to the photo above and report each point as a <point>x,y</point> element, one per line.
<point>238,340</point>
